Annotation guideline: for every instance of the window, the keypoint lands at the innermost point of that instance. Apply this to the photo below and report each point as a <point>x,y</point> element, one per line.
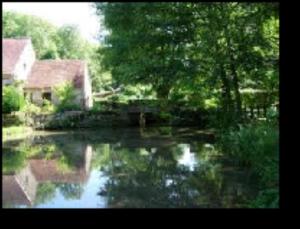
<point>46,95</point>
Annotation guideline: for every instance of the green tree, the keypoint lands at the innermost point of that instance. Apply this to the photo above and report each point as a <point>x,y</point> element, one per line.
<point>233,44</point>
<point>149,43</point>
<point>45,193</point>
<point>70,44</point>
<point>41,32</point>
<point>194,50</point>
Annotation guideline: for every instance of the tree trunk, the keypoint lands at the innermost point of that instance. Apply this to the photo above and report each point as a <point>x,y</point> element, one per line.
<point>226,97</point>
<point>236,91</point>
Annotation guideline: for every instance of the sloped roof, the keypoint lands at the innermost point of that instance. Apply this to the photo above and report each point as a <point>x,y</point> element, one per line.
<point>49,73</point>
<point>12,49</point>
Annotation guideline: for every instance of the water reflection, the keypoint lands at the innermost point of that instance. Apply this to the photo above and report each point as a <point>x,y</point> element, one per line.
<point>120,168</point>
<point>41,175</point>
<point>187,159</point>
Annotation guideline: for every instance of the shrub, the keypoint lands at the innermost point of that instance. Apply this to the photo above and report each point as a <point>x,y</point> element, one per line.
<point>48,106</point>
<point>31,108</point>
<point>68,107</point>
<point>66,96</point>
<point>12,99</point>
<point>97,107</point>
<point>268,198</point>
<point>257,147</point>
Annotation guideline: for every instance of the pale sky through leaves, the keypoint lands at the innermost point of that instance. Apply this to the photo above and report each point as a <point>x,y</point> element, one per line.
<point>78,13</point>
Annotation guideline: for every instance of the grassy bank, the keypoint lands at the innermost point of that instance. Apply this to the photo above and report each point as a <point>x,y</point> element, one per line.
<point>15,132</point>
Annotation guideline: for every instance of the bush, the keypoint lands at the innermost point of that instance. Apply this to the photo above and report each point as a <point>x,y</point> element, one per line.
<point>31,108</point>
<point>66,96</point>
<point>97,107</point>
<point>48,106</point>
<point>12,99</point>
<point>67,107</point>
<point>268,198</point>
<point>256,146</point>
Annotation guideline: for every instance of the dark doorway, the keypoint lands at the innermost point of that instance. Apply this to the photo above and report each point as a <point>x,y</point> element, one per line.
<point>47,96</point>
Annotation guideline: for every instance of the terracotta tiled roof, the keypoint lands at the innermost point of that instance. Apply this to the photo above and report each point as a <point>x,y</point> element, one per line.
<point>49,73</point>
<point>12,49</point>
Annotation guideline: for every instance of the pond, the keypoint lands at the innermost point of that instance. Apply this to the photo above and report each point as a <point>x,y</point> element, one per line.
<point>121,168</point>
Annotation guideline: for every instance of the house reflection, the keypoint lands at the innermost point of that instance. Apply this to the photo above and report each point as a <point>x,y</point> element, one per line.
<point>21,188</point>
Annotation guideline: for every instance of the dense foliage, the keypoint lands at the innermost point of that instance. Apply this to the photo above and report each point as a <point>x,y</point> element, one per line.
<point>12,99</point>
<point>256,146</point>
<point>66,96</point>
<point>193,51</point>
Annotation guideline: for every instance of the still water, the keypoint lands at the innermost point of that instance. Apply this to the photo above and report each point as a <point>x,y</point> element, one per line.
<point>121,168</point>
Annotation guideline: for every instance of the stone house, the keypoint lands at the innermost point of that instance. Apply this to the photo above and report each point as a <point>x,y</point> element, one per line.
<point>39,77</point>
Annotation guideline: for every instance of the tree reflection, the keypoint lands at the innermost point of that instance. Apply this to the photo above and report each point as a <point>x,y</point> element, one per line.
<point>145,178</point>
<point>12,160</point>
<point>70,191</point>
<point>45,192</point>
<point>144,172</point>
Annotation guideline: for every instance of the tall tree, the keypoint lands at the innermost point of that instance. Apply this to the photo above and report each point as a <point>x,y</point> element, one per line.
<point>149,43</point>
<point>232,36</point>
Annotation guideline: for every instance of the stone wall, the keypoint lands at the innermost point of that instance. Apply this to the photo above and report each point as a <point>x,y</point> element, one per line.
<point>14,119</point>
<point>79,119</point>
<point>116,116</point>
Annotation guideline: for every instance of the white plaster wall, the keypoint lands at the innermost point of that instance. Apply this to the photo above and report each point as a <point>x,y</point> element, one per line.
<point>27,57</point>
<point>87,90</point>
<point>7,76</point>
<point>7,82</point>
<point>88,157</point>
<point>37,97</point>
<point>54,98</point>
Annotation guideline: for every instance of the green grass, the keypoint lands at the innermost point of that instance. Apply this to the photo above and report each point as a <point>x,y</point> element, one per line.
<point>15,132</point>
